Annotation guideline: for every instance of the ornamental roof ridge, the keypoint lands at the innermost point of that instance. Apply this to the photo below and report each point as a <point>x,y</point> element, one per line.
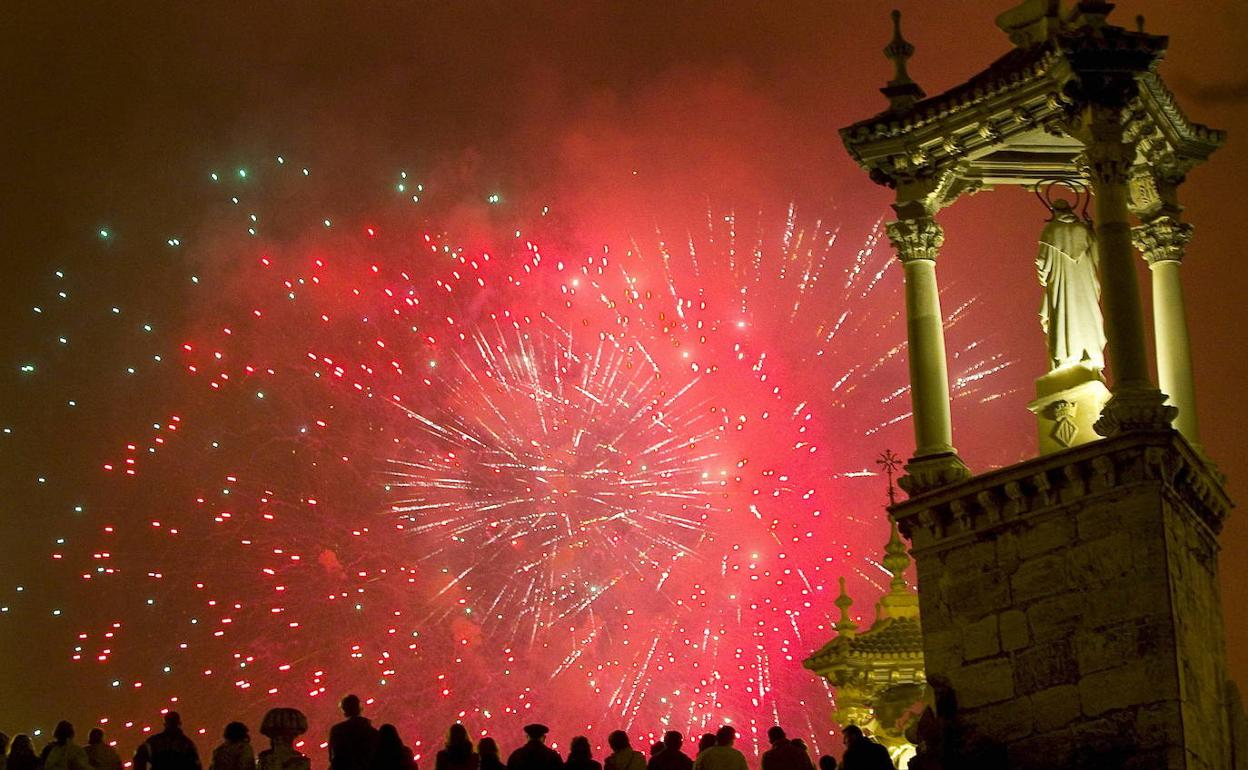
<point>1020,66</point>
<point>888,638</point>
<point>1010,70</point>
<point>1160,95</point>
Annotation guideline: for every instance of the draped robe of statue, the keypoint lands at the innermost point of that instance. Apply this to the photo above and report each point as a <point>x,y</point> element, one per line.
<point>1067,266</point>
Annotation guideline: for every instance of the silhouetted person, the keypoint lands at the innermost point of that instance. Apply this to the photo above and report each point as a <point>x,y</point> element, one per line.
<point>168,749</point>
<point>623,756</point>
<point>783,754</point>
<point>535,755</point>
<point>62,753</point>
<point>22,754</point>
<point>862,753</point>
<point>580,757</point>
<point>487,749</point>
<point>100,755</point>
<point>705,742</point>
<point>671,757</point>
<point>392,753</point>
<point>458,754</point>
<point>721,756</point>
<point>353,741</point>
<point>235,752</point>
<point>827,762</point>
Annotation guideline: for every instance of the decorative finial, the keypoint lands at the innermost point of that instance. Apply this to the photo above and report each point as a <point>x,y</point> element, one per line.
<point>845,626</point>
<point>896,559</point>
<point>890,463</point>
<point>902,92</point>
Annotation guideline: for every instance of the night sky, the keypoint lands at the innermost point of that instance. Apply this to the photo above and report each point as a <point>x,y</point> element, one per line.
<point>608,124</point>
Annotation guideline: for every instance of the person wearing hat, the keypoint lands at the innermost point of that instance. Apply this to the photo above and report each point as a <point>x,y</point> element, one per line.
<point>535,755</point>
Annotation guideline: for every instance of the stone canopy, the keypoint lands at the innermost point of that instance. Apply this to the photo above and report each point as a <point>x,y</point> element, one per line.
<point>1077,101</point>
<point>1011,123</point>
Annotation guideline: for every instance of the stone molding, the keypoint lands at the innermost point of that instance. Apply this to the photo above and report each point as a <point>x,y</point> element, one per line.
<point>1163,239</point>
<point>916,238</point>
<point>930,472</point>
<point>1135,408</point>
<point>943,517</point>
<point>1109,162</point>
<point>1045,85</point>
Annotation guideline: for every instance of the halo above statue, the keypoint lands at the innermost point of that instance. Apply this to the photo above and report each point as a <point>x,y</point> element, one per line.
<point>1083,196</point>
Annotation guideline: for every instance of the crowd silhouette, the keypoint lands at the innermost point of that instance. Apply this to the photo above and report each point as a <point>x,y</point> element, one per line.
<point>355,744</point>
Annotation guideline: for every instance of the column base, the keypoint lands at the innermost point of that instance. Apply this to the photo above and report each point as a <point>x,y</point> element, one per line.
<point>929,472</point>
<point>1135,407</point>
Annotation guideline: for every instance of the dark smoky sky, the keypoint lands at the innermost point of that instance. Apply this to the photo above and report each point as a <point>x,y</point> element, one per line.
<point>113,111</point>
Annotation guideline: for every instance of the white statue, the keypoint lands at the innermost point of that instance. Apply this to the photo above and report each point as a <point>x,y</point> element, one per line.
<point>1067,266</point>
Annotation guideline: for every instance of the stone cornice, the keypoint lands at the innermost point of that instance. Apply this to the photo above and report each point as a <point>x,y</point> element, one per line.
<point>1027,89</point>
<point>1071,477</point>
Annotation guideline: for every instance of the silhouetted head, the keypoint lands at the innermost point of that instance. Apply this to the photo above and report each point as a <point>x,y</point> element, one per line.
<point>95,736</point>
<point>173,720</point>
<point>827,762</point>
<point>488,747</point>
<point>64,731</point>
<point>617,740</point>
<point>388,737</point>
<point>536,732</point>
<point>579,748</point>
<point>656,748</point>
<point>776,734</point>
<point>351,706</point>
<point>457,735</point>
<point>673,740</point>
<point>236,732</point>
<point>725,735</point>
<point>4,742</point>
<point>21,746</point>
<point>851,735</point>
<point>705,742</point>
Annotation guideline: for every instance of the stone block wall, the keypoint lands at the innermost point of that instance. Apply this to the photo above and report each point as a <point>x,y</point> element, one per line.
<point>1072,602</point>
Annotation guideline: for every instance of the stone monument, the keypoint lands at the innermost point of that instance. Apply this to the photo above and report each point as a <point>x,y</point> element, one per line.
<point>1070,397</point>
<point>1070,607</point>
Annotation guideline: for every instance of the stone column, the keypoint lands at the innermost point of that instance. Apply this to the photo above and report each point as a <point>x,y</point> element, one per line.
<point>1136,403</point>
<point>935,462</point>
<point>1163,240</point>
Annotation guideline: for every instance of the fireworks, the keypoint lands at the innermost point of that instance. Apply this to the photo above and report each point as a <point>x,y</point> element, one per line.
<point>604,485</point>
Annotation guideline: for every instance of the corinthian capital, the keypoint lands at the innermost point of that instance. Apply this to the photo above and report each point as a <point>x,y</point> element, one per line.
<point>1162,239</point>
<point>1109,161</point>
<point>918,238</point>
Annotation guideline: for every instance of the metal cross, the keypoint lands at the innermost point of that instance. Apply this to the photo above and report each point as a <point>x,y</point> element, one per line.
<point>890,463</point>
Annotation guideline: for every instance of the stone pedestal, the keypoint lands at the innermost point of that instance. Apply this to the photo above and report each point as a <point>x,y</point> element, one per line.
<point>1071,603</point>
<point>1068,403</point>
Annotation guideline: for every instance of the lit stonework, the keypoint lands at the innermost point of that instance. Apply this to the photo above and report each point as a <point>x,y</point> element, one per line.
<point>1052,108</point>
<point>1070,603</point>
<point>878,673</point>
